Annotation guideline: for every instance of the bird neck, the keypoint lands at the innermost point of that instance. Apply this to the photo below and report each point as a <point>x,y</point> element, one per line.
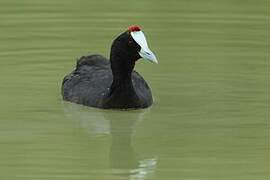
<point>122,93</point>
<point>122,72</point>
<point>122,68</point>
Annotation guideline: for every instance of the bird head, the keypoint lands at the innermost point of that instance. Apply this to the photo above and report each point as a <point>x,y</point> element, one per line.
<point>137,39</point>
<point>132,45</point>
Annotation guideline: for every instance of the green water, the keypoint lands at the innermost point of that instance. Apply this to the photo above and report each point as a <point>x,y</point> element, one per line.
<point>211,116</point>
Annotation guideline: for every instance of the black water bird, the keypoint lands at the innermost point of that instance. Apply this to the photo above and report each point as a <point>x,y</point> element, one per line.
<point>112,84</point>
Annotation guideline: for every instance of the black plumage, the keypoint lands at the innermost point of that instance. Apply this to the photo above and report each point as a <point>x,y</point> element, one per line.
<point>113,83</point>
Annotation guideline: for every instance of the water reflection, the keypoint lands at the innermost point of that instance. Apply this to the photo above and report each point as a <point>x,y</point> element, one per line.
<point>124,162</point>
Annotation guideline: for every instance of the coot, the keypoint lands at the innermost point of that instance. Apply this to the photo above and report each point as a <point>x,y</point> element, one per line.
<point>112,84</point>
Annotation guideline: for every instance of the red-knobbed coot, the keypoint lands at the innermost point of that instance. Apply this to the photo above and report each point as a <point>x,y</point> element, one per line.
<point>113,83</point>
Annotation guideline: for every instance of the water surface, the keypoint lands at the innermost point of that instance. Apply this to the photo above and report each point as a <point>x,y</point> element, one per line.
<point>210,119</point>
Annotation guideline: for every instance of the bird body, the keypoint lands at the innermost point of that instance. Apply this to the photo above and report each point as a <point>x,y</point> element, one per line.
<point>102,83</point>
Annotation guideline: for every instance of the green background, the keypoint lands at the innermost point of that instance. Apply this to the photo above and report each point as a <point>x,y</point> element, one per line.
<point>210,118</point>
